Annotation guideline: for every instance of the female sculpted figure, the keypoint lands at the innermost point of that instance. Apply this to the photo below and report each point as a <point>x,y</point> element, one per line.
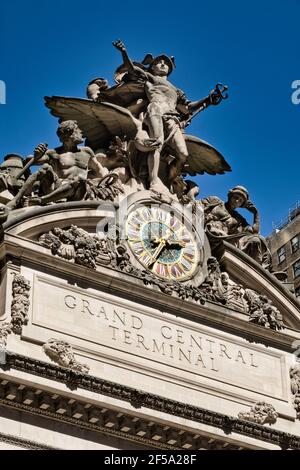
<point>222,221</point>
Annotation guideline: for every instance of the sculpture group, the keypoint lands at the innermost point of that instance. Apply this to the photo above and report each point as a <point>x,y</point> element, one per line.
<point>135,140</point>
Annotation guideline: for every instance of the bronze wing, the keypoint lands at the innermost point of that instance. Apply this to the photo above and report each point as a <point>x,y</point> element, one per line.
<point>99,122</point>
<point>204,158</point>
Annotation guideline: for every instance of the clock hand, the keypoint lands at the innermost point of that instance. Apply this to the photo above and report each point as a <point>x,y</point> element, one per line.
<point>169,241</point>
<point>157,252</point>
<point>155,241</point>
<point>180,243</point>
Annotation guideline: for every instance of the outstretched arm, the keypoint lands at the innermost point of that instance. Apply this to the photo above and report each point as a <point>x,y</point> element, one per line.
<point>197,105</point>
<point>127,61</point>
<point>215,97</point>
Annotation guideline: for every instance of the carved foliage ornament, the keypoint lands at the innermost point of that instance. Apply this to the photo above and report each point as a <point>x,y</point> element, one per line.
<point>5,330</point>
<point>260,413</point>
<point>78,246</point>
<point>262,311</point>
<point>19,309</point>
<point>62,353</point>
<point>295,387</point>
<point>20,303</point>
<point>219,287</point>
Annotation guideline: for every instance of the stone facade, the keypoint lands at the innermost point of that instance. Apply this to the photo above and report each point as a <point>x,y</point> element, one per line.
<point>132,314</point>
<point>284,244</point>
<point>119,340</point>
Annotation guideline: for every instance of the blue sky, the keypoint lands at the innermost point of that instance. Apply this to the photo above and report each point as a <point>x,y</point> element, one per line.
<point>56,47</point>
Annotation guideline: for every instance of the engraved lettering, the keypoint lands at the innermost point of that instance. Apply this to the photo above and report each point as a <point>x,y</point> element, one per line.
<point>114,328</point>
<point>160,349</point>
<point>164,333</point>
<point>173,345</point>
<point>240,356</point>
<point>102,312</point>
<point>70,301</point>
<point>127,335</point>
<point>210,345</point>
<point>141,340</point>
<point>86,306</point>
<point>200,360</point>
<point>121,320</point>
<point>224,350</point>
<point>252,360</point>
<point>212,365</point>
<point>193,340</point>
<point>182,354</point>
<point>136,322</point>
<point>180,339</point>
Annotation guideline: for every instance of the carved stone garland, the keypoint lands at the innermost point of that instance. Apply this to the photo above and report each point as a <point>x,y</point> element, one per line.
<point>295,387</point>
<point>5,330</point>
<point>78,246</point>
<point>19,309</point>
<point>20,303</point>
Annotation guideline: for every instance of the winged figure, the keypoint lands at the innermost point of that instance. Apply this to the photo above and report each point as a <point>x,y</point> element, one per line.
<point>148,114</point>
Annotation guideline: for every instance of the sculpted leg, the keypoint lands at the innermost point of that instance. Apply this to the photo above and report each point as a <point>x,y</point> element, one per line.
<point>181,154</point>
<point>44,175</point>
<point>155,122</point>
<point>153,165</point>
<point>74,189</point>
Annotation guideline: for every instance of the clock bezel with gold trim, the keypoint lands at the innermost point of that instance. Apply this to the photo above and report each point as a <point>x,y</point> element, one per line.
<point>163,242</point>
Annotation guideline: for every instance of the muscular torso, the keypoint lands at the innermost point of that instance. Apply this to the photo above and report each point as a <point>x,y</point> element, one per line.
<point>161,91</point>
<point>69,165</point>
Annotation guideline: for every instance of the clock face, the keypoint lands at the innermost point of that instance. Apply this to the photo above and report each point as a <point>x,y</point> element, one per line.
<point>162,243</point>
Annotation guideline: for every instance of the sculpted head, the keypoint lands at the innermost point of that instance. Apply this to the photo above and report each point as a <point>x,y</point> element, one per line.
<point>68,131</point>
<point>238,197</point>
<point>160,66</point>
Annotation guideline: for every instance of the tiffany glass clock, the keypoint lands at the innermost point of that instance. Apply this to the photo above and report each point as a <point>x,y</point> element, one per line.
<point>162,243</point>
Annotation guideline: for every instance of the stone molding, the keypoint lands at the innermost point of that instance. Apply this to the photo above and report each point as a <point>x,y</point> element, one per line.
<point>139,398</point>
<point>24,443</point>
<point>107,421</point>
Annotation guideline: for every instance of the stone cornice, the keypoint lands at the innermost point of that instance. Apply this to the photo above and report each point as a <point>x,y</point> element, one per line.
<point>139,398</point>
<point>38,211</point>
<point>24,443</point>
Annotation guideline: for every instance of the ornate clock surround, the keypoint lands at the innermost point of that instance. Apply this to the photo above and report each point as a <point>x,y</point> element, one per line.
<point>164,237</point>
